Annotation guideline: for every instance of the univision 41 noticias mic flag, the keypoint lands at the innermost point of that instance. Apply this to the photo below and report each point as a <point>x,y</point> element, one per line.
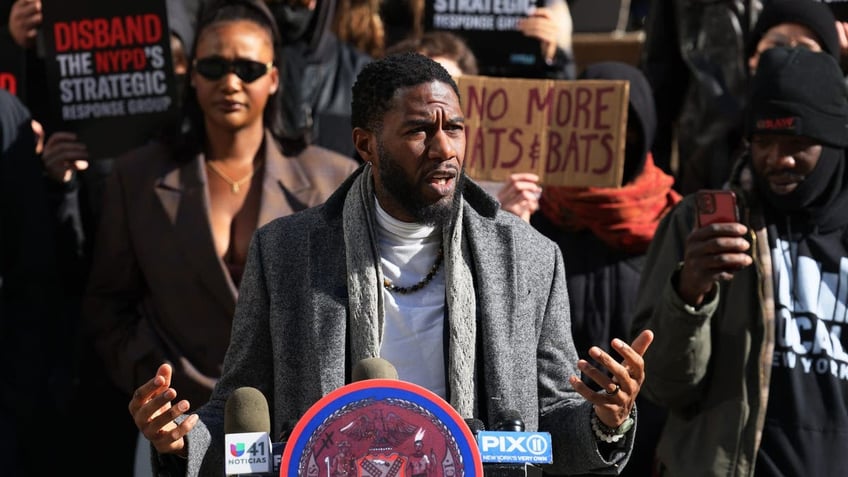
<point>248,453</point>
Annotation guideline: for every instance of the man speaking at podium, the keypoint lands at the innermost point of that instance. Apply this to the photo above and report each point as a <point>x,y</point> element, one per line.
<point>409,260</point>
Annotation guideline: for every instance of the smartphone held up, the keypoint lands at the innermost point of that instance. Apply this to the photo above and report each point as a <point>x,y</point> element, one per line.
<point>716,206</point>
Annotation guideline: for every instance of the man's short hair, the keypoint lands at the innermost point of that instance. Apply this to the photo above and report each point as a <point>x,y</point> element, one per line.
<point>378,82</point>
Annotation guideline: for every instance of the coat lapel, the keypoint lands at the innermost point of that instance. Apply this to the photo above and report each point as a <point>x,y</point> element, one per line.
<point>496,279</point>
<point>286,187</point>
<point>183,194</point>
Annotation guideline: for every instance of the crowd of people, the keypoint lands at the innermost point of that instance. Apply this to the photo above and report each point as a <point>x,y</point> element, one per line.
<point>308,207</point>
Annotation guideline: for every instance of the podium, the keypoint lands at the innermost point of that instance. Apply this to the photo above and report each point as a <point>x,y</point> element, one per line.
<point>381,428</point>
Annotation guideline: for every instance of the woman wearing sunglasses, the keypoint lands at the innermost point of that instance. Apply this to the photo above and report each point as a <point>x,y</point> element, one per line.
<point>178,215</point>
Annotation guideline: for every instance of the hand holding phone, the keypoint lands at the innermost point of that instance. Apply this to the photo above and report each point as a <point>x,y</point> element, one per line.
<point>713,253</point>
<point>716,206</point>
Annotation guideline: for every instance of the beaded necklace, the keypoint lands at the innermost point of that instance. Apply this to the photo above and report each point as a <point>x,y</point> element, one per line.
<point>405,290</point>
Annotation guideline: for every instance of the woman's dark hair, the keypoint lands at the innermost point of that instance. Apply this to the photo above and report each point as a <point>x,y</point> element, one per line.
<point>440,43</point>
<point>191,132</point>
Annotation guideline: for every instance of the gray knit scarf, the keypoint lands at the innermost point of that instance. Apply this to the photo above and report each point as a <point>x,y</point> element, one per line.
<point>365,292</point>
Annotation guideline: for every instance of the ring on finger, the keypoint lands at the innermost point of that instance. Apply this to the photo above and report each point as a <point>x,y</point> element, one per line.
<point>614,391</point>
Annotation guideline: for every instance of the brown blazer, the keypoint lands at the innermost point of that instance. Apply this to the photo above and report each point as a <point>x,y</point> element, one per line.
<point>158,290</point>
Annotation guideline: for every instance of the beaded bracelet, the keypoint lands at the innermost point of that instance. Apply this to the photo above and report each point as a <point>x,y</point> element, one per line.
<point>608,434</point>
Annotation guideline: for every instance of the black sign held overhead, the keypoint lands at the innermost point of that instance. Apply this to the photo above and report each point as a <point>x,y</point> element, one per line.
<point>12,67</point>
<point>489,28</point>
<point>109,68</point>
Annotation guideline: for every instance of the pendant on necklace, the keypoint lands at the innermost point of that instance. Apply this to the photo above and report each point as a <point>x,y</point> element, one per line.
<point>234,185</point>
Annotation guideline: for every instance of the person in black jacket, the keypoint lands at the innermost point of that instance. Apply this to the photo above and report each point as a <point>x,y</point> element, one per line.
<point>39,321</point>
<point>27,274</point>
<point>318,72</point>
<point>701,55</point>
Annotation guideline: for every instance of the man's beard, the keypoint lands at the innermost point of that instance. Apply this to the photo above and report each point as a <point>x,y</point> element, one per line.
<point>406,193</point>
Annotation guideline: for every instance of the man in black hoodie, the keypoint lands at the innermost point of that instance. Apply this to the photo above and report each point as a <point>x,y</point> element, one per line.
<point>749,315</point>
<point>318,73</point>
<point>700,56</point>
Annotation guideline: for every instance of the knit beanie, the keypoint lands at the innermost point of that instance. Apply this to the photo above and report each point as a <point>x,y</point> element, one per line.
<point>814,15</point>
<point>799,92</point>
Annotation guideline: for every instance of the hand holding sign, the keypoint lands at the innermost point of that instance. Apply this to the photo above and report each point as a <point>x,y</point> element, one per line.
<point>548,27</point>
<point>63,156</point>
<point>520,194</point>
<point>24,21</point>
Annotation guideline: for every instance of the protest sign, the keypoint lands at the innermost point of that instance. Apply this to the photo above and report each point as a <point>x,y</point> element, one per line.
<point>12,67</point>
<point>489,28</point>
<point>570,133</point>
<point>109,70</point>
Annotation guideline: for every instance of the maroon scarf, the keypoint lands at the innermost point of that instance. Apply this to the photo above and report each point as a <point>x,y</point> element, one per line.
<point>624,218</point>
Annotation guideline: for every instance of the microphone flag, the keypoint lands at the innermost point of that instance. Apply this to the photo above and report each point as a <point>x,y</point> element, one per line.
<point>247,453</point>
<point>515,447</point>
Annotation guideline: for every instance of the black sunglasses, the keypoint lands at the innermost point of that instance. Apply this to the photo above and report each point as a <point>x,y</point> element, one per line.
<point>214,68</point>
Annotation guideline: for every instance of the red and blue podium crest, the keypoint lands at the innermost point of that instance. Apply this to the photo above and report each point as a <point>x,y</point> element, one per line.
<point>381,428</point>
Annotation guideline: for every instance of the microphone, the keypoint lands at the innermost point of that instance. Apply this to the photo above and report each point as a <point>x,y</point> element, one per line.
<point>508,451</point>
<point>247,424</point>
<point>476,425</point>
<point>373,368</point>
<point>246,410</point>
<point>510,421</point>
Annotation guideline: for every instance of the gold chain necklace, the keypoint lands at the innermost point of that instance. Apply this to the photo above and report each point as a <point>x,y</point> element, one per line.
<point>424,281</point>
<point>234,184</point>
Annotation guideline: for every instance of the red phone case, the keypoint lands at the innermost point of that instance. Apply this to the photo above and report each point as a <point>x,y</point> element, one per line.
<point>716,206</point>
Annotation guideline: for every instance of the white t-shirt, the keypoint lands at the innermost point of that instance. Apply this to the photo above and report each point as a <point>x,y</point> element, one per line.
<point>413,334</point>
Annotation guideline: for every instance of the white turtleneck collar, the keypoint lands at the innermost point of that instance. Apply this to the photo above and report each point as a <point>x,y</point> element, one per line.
<point>413,338</point>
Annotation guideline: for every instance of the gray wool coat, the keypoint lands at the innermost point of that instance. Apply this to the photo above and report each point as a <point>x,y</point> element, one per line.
<point>289,331</point>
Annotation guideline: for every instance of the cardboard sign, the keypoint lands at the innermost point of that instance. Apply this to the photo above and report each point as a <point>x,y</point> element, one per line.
<point>489,29</point>
<point>570,133</point>
<point>110,75</point>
